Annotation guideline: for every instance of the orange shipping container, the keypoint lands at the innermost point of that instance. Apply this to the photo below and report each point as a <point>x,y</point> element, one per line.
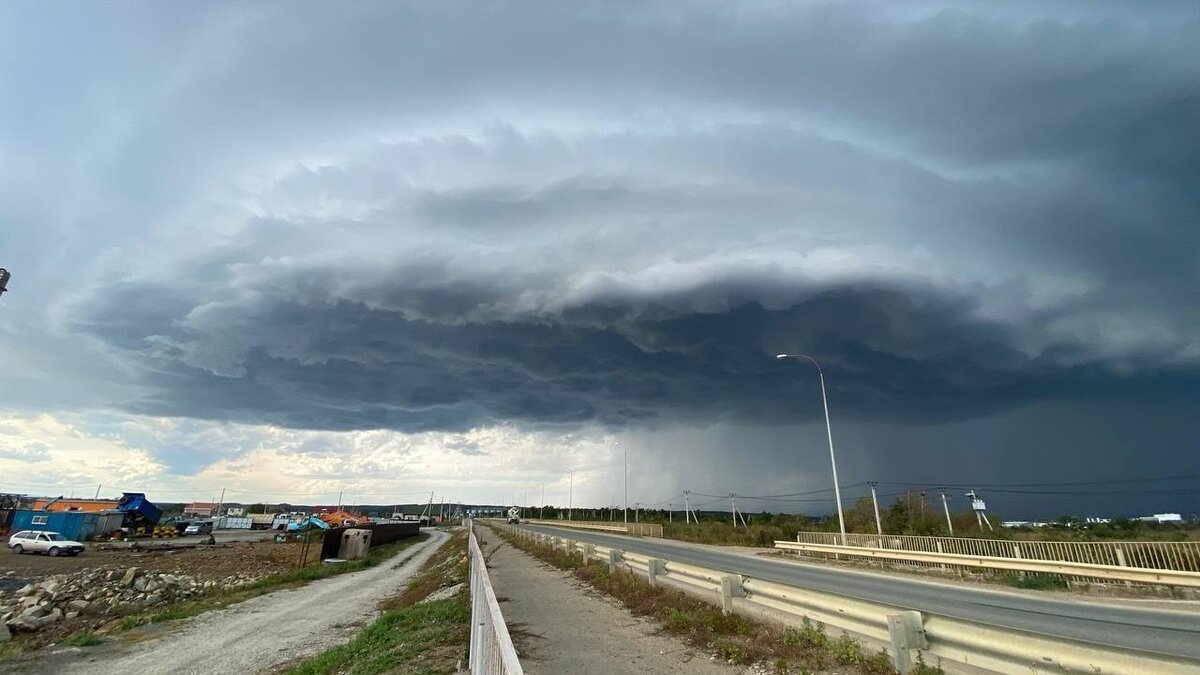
<point>87,505</point>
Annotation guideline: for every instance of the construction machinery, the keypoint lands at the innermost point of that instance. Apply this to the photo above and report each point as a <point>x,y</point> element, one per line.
<point>308,524</point>
<point>514,515</point>
<point>141,515</point>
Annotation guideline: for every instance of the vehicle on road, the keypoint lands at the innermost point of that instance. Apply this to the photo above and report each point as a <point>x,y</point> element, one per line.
<point>43,541</point>
<point>205,527</point>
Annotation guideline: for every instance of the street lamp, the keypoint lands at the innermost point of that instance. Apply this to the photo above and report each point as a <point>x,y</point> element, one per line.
<point>837,491</point>
<point>625,461</point>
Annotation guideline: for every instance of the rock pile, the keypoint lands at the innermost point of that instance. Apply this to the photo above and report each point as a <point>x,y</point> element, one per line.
<point>100,592</point>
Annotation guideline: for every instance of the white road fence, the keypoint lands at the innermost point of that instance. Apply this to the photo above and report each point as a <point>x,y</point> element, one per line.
<point>959,645</point>
<point>492,651</point>
<point>1178,556</point>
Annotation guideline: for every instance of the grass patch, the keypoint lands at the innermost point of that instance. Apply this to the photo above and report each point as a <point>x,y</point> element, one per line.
<point>1034,581</point>
<point>733,638</point>
<point>289,579</point>
<point>84,639</point>
<point>410,637</point>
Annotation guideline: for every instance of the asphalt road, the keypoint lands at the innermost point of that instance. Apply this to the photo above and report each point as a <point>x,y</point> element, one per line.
<point>1155,630</point>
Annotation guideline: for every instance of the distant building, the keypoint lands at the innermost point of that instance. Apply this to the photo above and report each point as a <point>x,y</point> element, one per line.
<point>235,511</point>
<point>200,510</point>
<point>1097,521</point>
<point>1023,523</point>
<point>1162,518</point>
<point>58,504</point>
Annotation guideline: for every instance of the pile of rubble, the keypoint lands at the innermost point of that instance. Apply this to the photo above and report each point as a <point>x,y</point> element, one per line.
<point>99,592</point>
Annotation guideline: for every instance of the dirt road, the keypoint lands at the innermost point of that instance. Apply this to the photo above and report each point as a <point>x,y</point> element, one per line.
<point>254,636</point>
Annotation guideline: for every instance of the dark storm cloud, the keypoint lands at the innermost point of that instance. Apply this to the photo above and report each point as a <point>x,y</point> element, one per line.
<point>892,354</point>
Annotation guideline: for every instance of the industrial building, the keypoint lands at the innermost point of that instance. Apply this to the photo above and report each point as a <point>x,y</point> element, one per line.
<point>77,525</point>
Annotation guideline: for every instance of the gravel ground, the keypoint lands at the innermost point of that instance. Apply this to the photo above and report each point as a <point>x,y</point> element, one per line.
<point>260,633</point>
<point>561,625</point>
<point>208,562</point>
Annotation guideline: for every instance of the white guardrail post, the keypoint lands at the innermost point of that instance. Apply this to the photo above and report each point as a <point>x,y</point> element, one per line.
<point>491,650</point>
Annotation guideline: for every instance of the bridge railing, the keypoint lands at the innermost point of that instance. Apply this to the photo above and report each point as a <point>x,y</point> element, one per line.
<point>1180,556</point>
<point>631,529</point>
<point>491,651</point>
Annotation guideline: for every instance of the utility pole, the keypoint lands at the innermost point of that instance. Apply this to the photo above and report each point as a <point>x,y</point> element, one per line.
<point>875,501</point>
<point>543,517</point>
<point>339,506</point>
<point>687,511</point>
<point>637,512</point>
<point>670,512</point>
<point>733,509</point>
<point>220,502</point>
<point>98,490</point>
<point>946,506</point>
<point>571,498</point>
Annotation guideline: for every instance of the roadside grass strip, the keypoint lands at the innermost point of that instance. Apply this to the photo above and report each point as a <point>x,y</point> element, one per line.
<point>730,637</point>
<point>414,635</point>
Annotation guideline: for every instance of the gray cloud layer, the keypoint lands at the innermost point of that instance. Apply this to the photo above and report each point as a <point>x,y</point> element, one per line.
<point>441,216</point>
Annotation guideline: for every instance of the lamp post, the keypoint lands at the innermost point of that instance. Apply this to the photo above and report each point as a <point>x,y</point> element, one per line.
<point>837,491</point>
<point>625,462</point>
<point>571,498</point>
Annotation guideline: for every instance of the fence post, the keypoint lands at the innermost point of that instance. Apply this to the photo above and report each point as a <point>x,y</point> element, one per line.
<point>570,546</point>
<point>589,552</point>
<point>1121,561</point>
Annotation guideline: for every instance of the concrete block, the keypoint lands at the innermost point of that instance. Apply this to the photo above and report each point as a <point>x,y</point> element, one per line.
<point>589,552</point>
<point>355,544</point>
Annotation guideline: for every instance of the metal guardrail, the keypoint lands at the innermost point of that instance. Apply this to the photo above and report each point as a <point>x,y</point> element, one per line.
<point>1103,572</point>
<point>632,529</point>
<point>942,639</point>
<point>491,650</point>
<point>1183,556</point>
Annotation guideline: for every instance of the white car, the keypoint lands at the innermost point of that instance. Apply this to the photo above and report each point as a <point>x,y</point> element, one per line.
<point>42,541</point>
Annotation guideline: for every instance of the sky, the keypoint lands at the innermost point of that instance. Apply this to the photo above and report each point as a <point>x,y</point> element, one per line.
<point>484,249</point>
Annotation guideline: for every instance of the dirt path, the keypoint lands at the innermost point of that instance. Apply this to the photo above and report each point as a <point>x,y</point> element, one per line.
<point>255,635</point>
<point>561,625</point>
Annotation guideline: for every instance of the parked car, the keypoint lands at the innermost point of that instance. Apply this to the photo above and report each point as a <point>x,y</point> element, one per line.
<point>199,528</point>
<point>43,541</point>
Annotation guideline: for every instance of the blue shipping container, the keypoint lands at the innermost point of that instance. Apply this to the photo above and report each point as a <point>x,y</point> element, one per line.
<point>77,525</point>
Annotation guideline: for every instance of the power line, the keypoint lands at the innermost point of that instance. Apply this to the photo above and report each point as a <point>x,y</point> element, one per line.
<point>1115,481</point>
